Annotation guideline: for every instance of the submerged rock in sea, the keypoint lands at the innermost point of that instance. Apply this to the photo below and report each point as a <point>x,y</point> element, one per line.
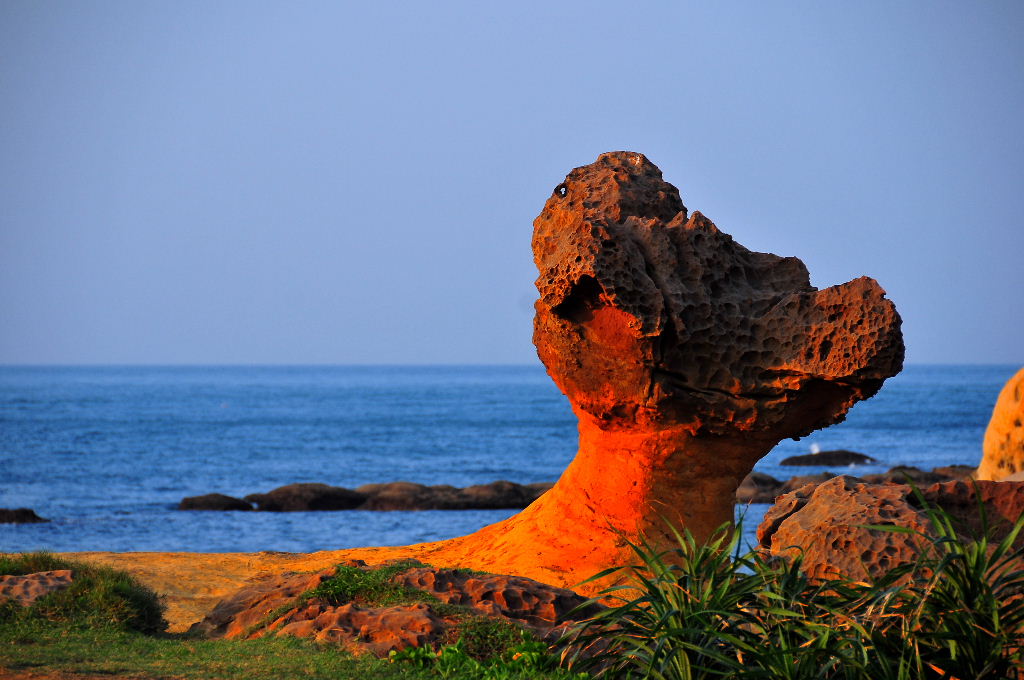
<point>307,496</point>
<point>409,496</point>
<point>1003,450</point>
<point>831,524</point>
<point>20,516</point>
<point>213,501</point>
<point>685,357</point>
<point>837,457</point>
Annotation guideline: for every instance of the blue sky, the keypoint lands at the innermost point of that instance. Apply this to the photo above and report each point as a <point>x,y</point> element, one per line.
<point>254,182</point>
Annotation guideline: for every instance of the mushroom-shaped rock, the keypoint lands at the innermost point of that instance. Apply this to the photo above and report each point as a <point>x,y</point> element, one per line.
<point>685,357</point>
<point>1004,439</point>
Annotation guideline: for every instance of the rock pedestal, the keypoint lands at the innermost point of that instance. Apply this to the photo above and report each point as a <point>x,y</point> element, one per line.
<point>685,357</point>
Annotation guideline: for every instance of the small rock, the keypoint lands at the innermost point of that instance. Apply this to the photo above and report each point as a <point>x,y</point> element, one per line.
<point>902,474</point>
<point>213,501</point>
<point>830,458</point>
<point>25,590</point>
<point>954,472</point>
<point>20,516</point>
<point>307,496</point>
<point>800,481</point>
<point>758,487</point>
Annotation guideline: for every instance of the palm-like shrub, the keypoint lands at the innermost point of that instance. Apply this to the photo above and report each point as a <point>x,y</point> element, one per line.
<point>704,610</point>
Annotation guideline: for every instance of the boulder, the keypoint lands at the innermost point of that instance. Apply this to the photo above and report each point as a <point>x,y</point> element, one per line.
<point>955,472</point>
<point>1003,503</point>
<point>801,481</point>
<point>411,496</point>
<point>213,501</point>
<point>26,589</point>
<point>404,496</point>
<point>830,458</point>
<point>684,356</point>
<point>758,487</point>
<point>1003,449</point>
<point>903,474</point>
<point>829,523</point>
<point>498,496</point>
<point>20,516</point>
<point>306,497</point>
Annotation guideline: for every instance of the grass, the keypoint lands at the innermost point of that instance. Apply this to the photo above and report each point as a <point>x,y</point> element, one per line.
<point>107,624</point>
<point>97,596</point>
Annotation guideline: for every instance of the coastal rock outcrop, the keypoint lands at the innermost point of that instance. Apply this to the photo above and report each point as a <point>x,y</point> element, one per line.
<point>307,496</point>
<point>435,604</point>
<point>1003,449</point>
<point>685,357</point>
<point>830,524</point>
<point>213,501</point>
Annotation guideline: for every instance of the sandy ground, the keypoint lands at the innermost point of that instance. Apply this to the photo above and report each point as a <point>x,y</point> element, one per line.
<point>191,584</point>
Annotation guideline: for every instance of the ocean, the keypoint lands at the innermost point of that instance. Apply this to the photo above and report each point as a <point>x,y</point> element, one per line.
<point>107,453</point>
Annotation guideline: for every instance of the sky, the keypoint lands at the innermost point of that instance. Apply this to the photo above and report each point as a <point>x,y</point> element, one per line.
<point>352,183</point>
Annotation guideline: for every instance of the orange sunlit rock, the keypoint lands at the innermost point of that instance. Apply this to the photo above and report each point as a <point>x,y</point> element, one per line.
<point>1004,439</point>
<point>686,358</point>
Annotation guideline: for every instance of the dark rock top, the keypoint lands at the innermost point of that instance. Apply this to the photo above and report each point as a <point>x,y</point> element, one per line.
<point>20,516</point>
<point>213,501</point>
<point>836,457</point>
<point>307,497</point>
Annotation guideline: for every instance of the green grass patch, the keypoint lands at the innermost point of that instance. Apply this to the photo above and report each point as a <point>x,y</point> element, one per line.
<point>370,587</point>
<point>97,596</point>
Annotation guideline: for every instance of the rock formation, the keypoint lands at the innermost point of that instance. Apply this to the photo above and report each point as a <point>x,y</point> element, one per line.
<point>1004,439</point>
<point>313,497</point>
<point>281,605</point>
<point>837,457</point>
<point>686,358</point>
<point>828,523</point>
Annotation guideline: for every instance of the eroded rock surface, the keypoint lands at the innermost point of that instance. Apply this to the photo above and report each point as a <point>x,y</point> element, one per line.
<point>1003,453</point>
<point>274,605</point>
<point>686,358</point>
<point>26,589</point>
<point>828,523</point>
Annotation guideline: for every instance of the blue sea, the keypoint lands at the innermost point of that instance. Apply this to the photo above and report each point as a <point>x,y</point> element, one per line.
<point>107,453</point>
